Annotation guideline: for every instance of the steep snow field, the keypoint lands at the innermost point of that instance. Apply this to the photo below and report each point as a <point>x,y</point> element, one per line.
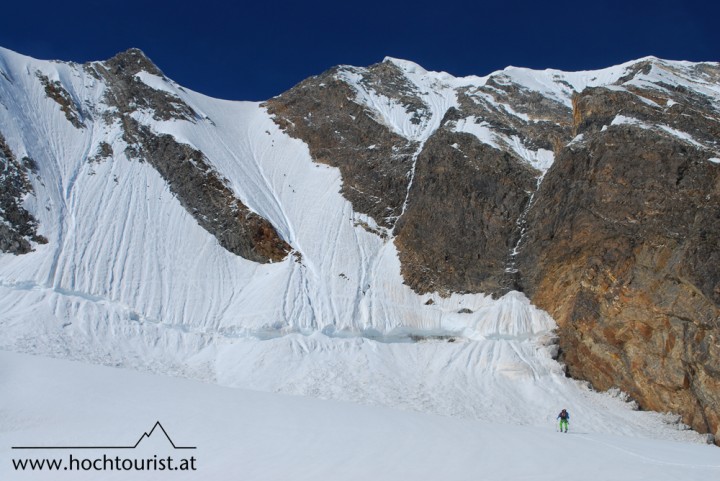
<point>261,436</point>
<point>123,250</point>
<point>129,278</point>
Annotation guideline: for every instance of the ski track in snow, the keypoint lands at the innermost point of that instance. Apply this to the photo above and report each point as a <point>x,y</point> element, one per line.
<point>129,278</point>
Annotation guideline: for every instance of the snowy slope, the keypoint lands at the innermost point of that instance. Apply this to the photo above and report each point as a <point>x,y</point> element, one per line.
<point>130,278</point>
<point>249,435</point>
<point>122,250</point>
<point>139,255</point>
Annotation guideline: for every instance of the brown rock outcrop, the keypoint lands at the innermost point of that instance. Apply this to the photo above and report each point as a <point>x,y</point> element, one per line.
<point>461,218</point>
<point>620,242</point>
<point>623,250</point>
<point>460,222</point>
<point>374,161</point>
<point>199,188</point>
<point>18,228</point>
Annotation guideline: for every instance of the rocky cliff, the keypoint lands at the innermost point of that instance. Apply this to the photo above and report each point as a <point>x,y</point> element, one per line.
<point>618,239</point>
<point>18,228</point>
<point>623,249</point>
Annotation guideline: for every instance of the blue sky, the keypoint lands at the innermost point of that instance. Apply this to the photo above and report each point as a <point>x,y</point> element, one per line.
<point>254,50</point>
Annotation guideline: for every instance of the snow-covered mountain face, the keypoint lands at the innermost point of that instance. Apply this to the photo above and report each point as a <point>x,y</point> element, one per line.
<point>333,240</point>
<point>596,193</point>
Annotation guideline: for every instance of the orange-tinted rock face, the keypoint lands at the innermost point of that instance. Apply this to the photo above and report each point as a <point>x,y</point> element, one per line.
<point>623,250</point>
<point>620,243</point>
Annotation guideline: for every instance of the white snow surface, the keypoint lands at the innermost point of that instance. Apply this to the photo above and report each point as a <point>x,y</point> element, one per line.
<point>240,434</point>
<point>129,278</point>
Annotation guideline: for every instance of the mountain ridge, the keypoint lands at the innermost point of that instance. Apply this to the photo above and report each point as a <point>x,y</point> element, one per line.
<point>386,201</point>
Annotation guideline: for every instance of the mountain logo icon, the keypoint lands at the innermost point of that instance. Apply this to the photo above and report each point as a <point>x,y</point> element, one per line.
<point>145,436</point>
<point>157,425</point>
